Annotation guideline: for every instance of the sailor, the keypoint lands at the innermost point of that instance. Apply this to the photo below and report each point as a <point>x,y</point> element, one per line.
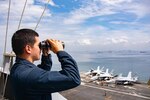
<point>31,82</point>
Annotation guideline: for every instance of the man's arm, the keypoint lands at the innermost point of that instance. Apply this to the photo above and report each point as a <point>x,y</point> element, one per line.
<point>46,62</point>
<point>53,81</point>
<point>69,66</point>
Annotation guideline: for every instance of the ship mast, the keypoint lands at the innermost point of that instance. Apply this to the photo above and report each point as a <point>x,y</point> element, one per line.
<point>42,15</point>
<point>7,27</point>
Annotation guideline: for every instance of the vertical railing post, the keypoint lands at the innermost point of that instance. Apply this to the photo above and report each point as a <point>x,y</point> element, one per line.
<point>7,64</point>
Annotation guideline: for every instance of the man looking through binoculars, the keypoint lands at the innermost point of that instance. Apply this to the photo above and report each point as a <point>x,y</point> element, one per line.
<point>31,82</point>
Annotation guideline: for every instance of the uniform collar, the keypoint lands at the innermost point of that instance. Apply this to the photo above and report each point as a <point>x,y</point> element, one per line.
<point>23,61</point>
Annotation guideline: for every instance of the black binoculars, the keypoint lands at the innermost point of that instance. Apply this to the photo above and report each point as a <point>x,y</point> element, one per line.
<point>46,45</point>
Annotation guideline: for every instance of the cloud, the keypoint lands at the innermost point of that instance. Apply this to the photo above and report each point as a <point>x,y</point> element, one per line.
<point>84,42</point>
<point>88,10</point>
<point>51,2</point>
<point>140,10</point>
<point>114,2</point>
<point>122,39</point>
<point>94,8</point>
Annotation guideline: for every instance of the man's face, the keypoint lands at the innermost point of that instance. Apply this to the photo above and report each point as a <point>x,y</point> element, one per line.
<point>36,50</point>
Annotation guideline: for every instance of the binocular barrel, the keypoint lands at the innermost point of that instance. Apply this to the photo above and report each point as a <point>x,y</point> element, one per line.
<point>46,45</point>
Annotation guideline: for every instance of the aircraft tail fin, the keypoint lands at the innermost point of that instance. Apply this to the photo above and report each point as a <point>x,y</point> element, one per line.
<point>129,74</point>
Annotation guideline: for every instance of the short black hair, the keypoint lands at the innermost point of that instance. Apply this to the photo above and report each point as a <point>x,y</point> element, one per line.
<point>21,38</point>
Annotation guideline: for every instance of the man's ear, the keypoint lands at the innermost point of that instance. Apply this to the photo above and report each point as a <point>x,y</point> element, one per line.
<point>28,49</point>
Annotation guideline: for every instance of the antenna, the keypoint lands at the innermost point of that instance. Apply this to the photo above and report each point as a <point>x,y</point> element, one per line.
<point>5,47</point>
<point>22,14</point>
<point>7,27</point>
<point>42,15</point>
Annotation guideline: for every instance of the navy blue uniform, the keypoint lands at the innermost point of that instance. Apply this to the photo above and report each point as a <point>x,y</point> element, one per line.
<point>31,82</point>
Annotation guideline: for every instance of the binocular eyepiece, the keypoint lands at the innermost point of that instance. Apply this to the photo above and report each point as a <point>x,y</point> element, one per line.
<point>46,45</point>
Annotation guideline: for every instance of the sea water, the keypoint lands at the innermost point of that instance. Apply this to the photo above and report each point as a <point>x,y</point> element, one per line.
<point>119,61</point>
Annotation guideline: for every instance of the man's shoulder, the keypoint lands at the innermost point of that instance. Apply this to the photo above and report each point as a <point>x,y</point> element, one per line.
<point>20,72</point>
<point>20,68</point>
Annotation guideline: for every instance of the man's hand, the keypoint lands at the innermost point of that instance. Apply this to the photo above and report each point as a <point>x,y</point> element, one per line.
<point>56,45</point>
<point>46,51</point>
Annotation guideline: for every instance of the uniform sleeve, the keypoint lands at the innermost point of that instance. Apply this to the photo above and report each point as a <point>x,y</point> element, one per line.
<point>42,81</point>
<point>46,62</point>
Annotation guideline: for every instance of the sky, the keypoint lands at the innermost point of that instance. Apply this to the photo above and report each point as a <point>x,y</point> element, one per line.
<point>84,25</point>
